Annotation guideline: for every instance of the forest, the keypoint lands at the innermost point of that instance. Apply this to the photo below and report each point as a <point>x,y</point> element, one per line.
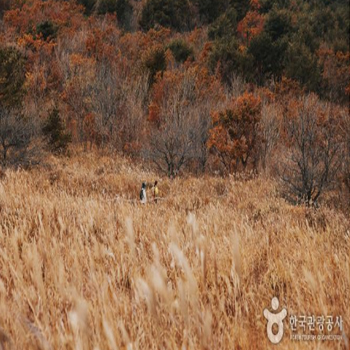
<point>191,86</point>
<point>220,87</point>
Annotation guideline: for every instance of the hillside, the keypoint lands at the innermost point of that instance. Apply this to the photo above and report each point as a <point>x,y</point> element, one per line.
<point>214,87</point>
<point>85,266</point>
<point>240,110</point>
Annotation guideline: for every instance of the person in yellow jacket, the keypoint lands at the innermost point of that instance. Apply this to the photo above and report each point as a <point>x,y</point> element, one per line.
<point>155,191</point>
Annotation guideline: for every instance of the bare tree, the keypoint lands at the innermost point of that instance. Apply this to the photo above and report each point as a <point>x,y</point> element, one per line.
<point>107,99</point>
<point>270,128</point>
<point>173,146</point>
<point>313,150</point>
<point>78,73</point>
<point>135,92</point>
<point>181,133</point>
<point>118,104</point>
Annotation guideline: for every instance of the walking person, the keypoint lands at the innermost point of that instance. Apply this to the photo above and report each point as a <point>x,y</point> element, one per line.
<point>155,191</point>
<point>143,194</point>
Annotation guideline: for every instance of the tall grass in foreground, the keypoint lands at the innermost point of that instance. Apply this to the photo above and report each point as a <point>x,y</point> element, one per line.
<point>83,266</point>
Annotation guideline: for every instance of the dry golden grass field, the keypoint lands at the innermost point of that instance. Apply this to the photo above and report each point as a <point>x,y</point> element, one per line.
<point>83,265</point>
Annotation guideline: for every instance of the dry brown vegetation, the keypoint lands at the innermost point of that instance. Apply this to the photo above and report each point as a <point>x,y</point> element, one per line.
<point>84,266</point>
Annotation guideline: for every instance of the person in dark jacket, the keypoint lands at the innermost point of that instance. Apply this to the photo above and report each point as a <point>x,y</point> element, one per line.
<point>143,194</point>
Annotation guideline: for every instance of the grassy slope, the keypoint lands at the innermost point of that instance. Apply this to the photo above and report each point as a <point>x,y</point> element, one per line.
<point>82,269</point>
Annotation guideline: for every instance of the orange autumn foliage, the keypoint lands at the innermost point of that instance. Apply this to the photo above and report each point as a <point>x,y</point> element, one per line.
<point>206,88</point>
<point>234,136</point>
<point>250,26</point>
<point>62,13</point>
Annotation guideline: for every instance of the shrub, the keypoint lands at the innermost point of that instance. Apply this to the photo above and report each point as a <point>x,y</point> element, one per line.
<point>124,13</point>
<point>54,130</point>
<point>88,4</point>
<point>229,60</point>
<point>17,134</point>
<point>313,149</point>
<point>209,10</point>
<point>173,14</point>
<point>154,62</point>
<point>224,26</point>
<point>235,136</point>
<point>47,29</point>
<point>12,76</point>
<point>180,50</point>
<point>107,6</point>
